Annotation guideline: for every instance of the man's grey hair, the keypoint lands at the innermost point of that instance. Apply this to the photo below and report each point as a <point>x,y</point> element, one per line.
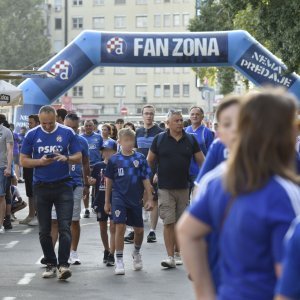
<point>173,112</point>
<point>47,109</point>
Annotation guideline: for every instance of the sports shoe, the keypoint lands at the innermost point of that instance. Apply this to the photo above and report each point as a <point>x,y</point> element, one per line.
<point>50,271</point>
<point>25,221</point>
<point>120,268</point>
<point>86,214</point>
<point>43,261</point>
<point>110,260</point>
<point>169,263</point>
<point>74,259</point>
<point>33,222</point>
<point>129,238</point>
<point>151,238</point>
<point>7,223</point>
<point>105,257</point>
<point>2,230</point>
<point>178,260</point>
<point>137,261</point>
<point>64,272</point>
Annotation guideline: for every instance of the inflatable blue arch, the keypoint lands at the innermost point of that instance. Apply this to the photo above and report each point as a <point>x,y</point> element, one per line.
<point>192,49</point>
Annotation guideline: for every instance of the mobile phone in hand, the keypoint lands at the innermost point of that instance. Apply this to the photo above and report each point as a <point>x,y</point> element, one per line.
<point>50,155</point>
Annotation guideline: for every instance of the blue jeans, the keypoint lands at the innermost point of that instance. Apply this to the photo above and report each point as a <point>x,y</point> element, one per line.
<point>61,196</point>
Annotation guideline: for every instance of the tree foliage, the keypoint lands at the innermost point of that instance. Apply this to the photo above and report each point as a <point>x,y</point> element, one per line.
<point>22,34</point>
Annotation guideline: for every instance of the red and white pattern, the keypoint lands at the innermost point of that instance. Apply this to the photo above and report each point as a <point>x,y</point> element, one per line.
<point>59,66</point>
<point>113,44</point>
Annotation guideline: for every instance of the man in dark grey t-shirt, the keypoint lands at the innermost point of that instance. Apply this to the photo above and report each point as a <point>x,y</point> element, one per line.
<point>6,155</point>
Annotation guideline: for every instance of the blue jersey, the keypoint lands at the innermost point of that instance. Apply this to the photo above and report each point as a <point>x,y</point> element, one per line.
<point>76,170</point>
<point>289,283</point>
<point>99,174</point>
<point>204,137</point>
<point>38,142</point>
<point>128,173</point>
<point>95,142</point>
<point>216,154</point>
<point>251,229</point>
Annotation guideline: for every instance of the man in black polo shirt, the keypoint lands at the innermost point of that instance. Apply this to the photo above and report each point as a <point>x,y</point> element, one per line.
<point>144,138</point>
<point>173,151</point>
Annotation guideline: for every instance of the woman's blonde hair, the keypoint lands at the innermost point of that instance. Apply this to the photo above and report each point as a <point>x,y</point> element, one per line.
<point>265,143</point>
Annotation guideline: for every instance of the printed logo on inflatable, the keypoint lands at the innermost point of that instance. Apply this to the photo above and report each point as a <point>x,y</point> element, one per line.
<point>116,46</point>
<point>62,70</point>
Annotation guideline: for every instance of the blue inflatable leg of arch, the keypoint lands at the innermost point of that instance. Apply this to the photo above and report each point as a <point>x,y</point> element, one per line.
<point>198,49</point>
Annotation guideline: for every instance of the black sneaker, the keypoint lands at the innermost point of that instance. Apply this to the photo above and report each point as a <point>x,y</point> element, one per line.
<point>86,214</point>
<point>151,238</point>
<point>7,223</point>
<point>105,257</point>
<point>110,260</point>
<point>129,238</point>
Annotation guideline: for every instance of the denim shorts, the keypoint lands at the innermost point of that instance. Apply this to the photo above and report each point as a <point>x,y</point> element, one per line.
<point>3,180</point>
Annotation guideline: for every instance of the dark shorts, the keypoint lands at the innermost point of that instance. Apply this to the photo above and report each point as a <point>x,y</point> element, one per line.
<point>102,216</point>
<point>129,215</point>
<point>28,177</point>
<point>16,159</point>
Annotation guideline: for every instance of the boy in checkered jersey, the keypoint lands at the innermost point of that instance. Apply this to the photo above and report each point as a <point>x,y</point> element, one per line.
<point>127,176</point>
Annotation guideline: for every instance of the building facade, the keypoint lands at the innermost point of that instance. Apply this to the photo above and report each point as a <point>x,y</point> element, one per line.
<point>105,92</point>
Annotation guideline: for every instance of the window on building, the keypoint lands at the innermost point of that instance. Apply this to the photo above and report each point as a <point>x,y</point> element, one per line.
<point>77,91</point>
<point>141,1</point>
<point>157,90</point>
<point>98,2</point>
<point>99,71</point>
<point>186,70</point>
<point>186,90</point>
<point>176,70</point>
<point>157,1</point>
<point>58,23</point>
<point>141,90</point>
<point>157,70</point>
<point>167,90</point>
<point>98,22</point>
<point>167,1</point>
<point>58,45</point>
<point>141,21</point>
<point>167,70</point>
<point>157,20</point>
<point>176,90</point>
<point>176,20</point>
<point>77,22</point>
<point>186,19</point>
<point>119,70</point>
<point>141,70</point>
<point>117,2</point>
<point>167,20</point>
<point>119,91</point>
<point>77,2</point>
<point>98,91</point>
<point>120,21</point>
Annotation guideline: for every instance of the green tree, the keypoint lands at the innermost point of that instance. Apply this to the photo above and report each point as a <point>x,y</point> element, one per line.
<point>227,80</point>
<point>22,34</point>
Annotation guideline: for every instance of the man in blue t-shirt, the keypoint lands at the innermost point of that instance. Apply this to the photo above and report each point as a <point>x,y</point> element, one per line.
<point>203,135</point>
<point>95,142</point>
<point>49,149</point>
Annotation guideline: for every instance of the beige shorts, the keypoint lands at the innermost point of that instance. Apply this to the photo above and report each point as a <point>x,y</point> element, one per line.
<point>172,203</point>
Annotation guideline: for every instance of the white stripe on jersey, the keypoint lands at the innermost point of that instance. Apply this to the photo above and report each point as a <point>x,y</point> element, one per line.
<point>293,192</point>
<point>291,230</point>
<point>208,177</point>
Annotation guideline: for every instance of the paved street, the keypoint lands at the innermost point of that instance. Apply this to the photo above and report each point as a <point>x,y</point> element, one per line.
<point>20,253</point>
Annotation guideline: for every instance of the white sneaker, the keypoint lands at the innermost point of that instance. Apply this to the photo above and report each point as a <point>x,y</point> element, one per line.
<point>120,268</point>
<point>2,230</point>
<point>64,273</point>
<point>137,261</point>
<point>178,260</point>
<point>169,262</point>
<point>50,272</point>
<point>74,259</point>
<point>33,222</point>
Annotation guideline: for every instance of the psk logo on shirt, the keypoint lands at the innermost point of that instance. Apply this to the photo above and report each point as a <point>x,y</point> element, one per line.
<point>39,141</point>
<point>59,138</point>
<point>136,163</point>
<point>120,171</point>
<point>117,213</point>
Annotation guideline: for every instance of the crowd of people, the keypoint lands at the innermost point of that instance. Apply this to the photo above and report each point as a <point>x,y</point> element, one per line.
<point>227,199</point>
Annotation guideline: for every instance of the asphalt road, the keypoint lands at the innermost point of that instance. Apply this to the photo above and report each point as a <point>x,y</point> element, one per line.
<point>20,271</point>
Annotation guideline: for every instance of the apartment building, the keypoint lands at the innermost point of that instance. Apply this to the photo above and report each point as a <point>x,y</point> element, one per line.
<point>105,92</point>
